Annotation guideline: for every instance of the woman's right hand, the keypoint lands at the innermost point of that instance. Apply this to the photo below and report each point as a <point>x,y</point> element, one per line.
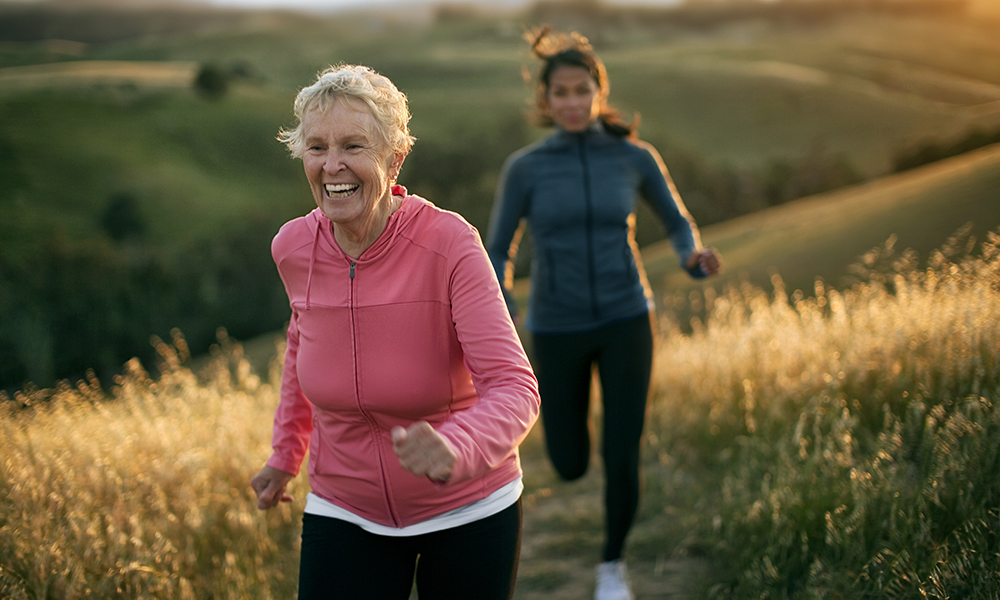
<point>269,484</point>
<point>423,451</point>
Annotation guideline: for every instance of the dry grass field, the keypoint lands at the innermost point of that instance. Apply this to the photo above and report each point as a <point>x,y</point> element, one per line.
<point>840,445</point>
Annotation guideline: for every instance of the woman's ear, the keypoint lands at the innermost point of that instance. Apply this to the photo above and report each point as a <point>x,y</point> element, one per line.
<point>397,164</point>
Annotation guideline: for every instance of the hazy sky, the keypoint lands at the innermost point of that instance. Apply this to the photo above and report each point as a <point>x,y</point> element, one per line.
<point>328,5</point>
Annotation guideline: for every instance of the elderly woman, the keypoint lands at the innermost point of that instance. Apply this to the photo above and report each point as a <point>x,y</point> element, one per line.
<point>404,376</point>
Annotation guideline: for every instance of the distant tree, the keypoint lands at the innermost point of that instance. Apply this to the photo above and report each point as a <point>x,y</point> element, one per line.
<point>212,81</point>
<point>123,219</point>
<point>12,177</point>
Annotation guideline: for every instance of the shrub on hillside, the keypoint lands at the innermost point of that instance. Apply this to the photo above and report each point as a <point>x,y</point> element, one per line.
<point>123,219</point>
<point>73,306</point>
<point>716,192</point>
<point>925,153</point>
<point>212,81</point>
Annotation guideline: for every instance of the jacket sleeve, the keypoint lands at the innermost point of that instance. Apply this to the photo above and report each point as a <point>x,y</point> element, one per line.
<point>659,190</point>
<point>509,208</point>
<point>488,432</point>
<point>293,417</point>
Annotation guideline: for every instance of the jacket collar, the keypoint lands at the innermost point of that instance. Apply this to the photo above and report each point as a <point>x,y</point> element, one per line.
<point>323,240</point>
<point>323,228</point>
<point>595,131</point>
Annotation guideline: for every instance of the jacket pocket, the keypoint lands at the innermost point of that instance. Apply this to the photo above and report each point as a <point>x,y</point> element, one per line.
<point>318,460</point>
<point>631,269</point>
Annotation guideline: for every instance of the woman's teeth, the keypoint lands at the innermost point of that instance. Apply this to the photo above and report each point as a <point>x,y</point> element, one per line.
<point>340,190</point>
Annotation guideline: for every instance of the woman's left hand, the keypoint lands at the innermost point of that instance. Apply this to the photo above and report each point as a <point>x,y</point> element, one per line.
<point>423,451</point>
<point>708,259</point>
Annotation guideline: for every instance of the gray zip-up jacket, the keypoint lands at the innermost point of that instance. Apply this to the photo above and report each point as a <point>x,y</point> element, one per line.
<point>577,192</point>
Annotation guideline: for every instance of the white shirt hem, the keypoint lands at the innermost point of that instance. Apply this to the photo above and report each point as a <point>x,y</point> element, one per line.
<point>480,509</point>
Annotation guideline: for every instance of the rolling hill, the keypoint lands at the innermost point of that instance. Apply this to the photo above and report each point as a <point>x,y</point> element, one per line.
<point>821,236</point>
<point>97,110</point>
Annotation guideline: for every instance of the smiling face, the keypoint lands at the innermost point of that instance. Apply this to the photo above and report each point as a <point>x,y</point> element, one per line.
<point>573,98</point>
<point>349,167</point>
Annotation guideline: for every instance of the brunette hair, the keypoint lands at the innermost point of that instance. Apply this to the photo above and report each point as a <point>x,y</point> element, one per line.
<point>556,49</point>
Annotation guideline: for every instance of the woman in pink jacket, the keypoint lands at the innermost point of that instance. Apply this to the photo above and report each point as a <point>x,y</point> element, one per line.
<point>404,377</point>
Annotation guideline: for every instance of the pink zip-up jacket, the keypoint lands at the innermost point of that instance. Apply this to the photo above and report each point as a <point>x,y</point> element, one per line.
<point>415,329</point>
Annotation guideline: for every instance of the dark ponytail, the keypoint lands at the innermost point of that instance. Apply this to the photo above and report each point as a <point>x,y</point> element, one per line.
<point>557,49</point>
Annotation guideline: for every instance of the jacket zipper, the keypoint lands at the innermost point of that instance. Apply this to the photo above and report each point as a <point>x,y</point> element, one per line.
<point>589,202</point>
<point>357,393</point>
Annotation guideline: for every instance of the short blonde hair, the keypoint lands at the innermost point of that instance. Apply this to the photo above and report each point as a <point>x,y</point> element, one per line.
<point>388,105</point>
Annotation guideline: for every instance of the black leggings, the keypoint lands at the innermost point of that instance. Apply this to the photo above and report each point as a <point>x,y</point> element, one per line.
<point>344,562</point>
<point>623,353</point>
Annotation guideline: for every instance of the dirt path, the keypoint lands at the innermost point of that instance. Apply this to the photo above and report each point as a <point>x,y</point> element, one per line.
<point>561,540</point>
<point>572,578</point>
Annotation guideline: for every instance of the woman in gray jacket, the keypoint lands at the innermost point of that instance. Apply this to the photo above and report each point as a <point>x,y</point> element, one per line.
<point>577,191</point>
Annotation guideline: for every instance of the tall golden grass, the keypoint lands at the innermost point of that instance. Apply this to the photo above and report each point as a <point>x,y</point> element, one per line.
<point>849,442</point>
<point>145,494</point>
<point>855,434</point>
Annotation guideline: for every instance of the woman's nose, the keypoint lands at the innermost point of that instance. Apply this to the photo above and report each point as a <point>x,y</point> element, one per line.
<point>334,163</point>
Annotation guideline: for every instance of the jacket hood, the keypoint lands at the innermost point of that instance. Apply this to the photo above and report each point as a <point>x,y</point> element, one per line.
<point>324,241</point>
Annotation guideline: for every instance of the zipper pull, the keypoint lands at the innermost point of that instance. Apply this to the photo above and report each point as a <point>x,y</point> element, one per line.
<point>352,269</point>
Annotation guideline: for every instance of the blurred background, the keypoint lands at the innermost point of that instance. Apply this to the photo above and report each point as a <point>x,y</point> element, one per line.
<point>141,182</point>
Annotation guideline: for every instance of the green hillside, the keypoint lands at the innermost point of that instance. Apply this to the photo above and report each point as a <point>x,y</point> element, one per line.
<point>822,236</point>
<point>747,112</point>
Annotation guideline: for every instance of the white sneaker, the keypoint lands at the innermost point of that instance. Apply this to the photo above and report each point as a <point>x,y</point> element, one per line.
<point>612,582</point>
